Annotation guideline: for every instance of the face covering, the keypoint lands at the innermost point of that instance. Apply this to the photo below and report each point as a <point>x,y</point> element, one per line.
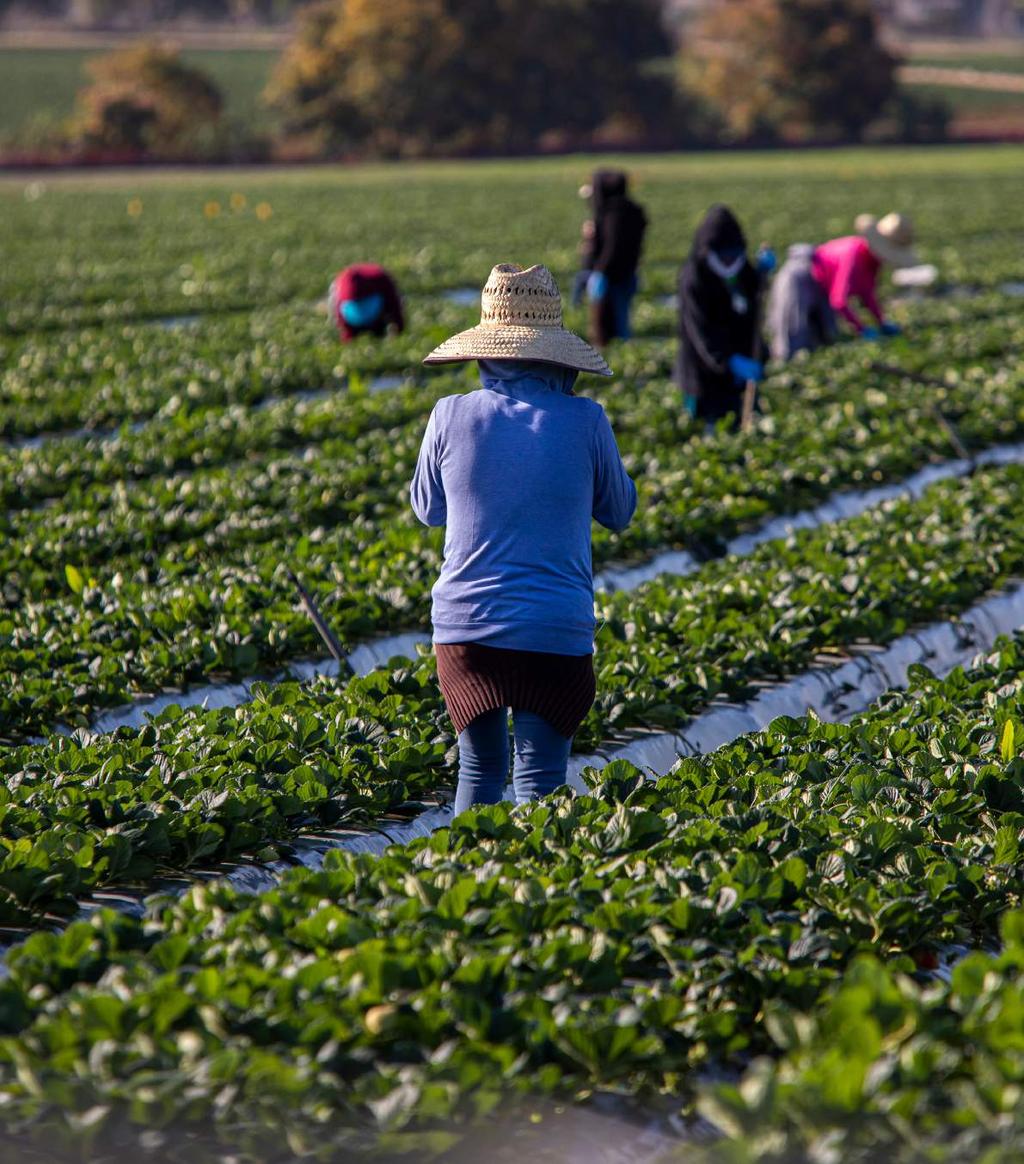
<point>362,312</point>
<point>526,374</point>
<point>726,267</point>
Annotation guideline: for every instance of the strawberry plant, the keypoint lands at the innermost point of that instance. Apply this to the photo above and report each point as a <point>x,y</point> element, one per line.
<point>617,942</point>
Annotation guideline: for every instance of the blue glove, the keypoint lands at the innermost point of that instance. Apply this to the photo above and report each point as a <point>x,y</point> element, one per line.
<point>891,329</point>
<point>690,403</point>
<point>871,333</point>
<point>744,368</point>
<point>766,260</point>
<point>597,285</point>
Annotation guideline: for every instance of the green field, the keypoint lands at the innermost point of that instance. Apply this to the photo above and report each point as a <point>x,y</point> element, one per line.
<point>968,102</point>
<point>974,103</point>
<point>990,62</point>
<point>40,84</point>
<point>179,425</point>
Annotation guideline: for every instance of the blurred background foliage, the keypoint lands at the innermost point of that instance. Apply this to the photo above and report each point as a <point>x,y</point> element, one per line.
<point>250,80</point>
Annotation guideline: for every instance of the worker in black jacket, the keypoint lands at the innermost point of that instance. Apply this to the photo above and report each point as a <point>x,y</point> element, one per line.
<point>720,348</point>
<point>612,255</point>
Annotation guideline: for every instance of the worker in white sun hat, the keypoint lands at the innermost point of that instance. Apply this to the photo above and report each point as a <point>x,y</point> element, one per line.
<point>818,283</point>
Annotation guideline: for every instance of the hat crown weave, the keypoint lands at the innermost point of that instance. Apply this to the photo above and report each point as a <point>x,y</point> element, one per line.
<point>520,319</point>
<point>513,297</point>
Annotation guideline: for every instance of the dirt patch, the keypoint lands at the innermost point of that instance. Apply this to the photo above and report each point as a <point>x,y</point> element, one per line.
<point>186,36</point>
<point>963,78</point>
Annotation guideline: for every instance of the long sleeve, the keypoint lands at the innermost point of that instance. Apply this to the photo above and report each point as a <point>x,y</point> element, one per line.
<point>619,242</point>
<point>843,287</point>
<point>709,338</point>
<point>869,297</point>
<point>614,491</point>
<point>427,491</point>
<point>606,241</point>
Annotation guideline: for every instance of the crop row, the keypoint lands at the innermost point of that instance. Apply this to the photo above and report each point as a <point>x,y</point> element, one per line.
<point>211,784</point>
<point>190,582</point>
<point>193,404</point>
<point>195,452</point>
<point>102,378</point>
<point>219,526</point>
<point>317,463</point>
<point>99,379</point>
<point>192,433</point>
<point>76,257</point>
<point>888,1068</point>
<point>618,942</point>
<point>359,453</point>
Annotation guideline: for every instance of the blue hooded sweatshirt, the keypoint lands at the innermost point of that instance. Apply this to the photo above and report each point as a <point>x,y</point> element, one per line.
<point>517,470</point>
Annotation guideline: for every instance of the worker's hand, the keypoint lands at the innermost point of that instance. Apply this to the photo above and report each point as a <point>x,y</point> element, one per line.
<point>891,329</point>
<point>870,333</point>
<point>597,285</point>
<point>690,404</point>
<point>766,261</point>
<point>744,368</point>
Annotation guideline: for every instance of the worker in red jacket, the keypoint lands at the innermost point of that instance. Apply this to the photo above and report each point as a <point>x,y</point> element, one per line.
<point>364,298</point>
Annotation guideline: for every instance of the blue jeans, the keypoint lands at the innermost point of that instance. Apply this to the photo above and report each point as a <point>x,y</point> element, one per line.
<point>621,296</point>
<point>541,758</point>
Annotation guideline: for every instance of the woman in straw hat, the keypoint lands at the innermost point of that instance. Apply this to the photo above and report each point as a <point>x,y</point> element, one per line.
<point>516,470</point>
<point>816,283</point>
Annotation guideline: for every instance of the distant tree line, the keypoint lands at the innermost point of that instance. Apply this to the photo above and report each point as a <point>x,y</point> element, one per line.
<point>401,78</point>
<point>435,76</point>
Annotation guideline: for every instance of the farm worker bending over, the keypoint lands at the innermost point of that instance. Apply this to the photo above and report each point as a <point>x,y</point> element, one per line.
<point>611,252</point>
<point>720,347</point>
<point>516,471</point>
<point>815,283</point>
<point>364,298</point>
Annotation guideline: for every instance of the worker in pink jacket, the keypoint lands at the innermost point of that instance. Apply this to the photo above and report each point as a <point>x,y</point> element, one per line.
<point>816,284</point>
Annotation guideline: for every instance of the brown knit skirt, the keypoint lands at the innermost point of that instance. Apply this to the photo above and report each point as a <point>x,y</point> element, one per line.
<point>476,678</point>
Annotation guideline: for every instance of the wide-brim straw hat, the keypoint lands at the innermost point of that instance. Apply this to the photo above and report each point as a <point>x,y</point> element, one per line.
<point>521,319</point>
<point>890,238</point>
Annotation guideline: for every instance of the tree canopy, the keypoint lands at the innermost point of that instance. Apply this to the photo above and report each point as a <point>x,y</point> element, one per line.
<point>426,76</point>
<point>144,99</point>
<point>803,68</point>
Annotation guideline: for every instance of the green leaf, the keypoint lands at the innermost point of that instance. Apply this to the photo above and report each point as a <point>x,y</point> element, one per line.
<point>1006,744</point>
<point>1006,847</point>
<point>75,578</point>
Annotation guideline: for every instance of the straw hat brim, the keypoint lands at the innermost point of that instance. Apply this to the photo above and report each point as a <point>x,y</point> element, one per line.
<point>889,251</point>
<point>550,345</point>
